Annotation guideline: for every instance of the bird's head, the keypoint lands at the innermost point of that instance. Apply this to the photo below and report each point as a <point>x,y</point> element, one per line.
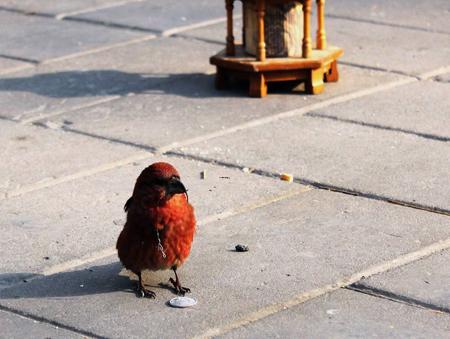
<point>158,183</point>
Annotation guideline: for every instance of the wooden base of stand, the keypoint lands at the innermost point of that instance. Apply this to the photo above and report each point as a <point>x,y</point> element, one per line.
<point>319,68</point>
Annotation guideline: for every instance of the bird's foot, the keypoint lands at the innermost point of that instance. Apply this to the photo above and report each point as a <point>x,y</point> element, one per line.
<point>142,292</point>
<point>178,288</point>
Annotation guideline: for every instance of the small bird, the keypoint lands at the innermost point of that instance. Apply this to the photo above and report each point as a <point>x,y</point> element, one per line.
<point>160,226</point>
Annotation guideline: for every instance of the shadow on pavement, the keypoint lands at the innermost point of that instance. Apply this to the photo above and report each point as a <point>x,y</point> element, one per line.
<point>71,84</point>
<point>93,280</point>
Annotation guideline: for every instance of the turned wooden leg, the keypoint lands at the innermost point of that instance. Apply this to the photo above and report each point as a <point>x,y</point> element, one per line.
<point>314,82</point>
<point>230,38</point>
<point>321,35</point>
<point>307,44</point>
<point>332,75</point>
<point>221,80</point>
<point>258,86</point>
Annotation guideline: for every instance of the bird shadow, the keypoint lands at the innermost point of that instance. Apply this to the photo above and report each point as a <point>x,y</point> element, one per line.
<point>100,279</point>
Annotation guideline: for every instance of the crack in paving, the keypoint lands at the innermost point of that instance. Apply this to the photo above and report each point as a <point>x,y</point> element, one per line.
<point>379,69</point>
<point>315,184</point>
<point>55,323</point>
<point>17,58</point>
<point>383,294</point>
<point>377,126</point>
<point>388,24</point>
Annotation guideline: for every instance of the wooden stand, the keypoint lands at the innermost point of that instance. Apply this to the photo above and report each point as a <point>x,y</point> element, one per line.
<point>314,67</point>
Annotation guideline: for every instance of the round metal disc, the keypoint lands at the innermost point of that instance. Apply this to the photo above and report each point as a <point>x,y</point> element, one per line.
<point>182,302</point>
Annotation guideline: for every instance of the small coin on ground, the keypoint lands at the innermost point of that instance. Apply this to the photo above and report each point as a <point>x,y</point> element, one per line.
<point>182,302</point>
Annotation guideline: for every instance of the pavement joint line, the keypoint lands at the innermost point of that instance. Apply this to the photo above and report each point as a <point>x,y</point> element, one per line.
<point>108,252</point>
<point>315,184</point>
<point>17,58</point>
<point>34,120</point>
<point>17,69</point>
<point>288,114</point>
<point>98,49</point>
<point>379,69</point>
<point>303,297</point>
<point>383,294</point>
<point>435,72</point>
<point>55,323</point>
<point>377,126</point>
<point>78,175</point>
<point>62,16</point>
<point>205,23</point>
<point>388,24</point>
<point>25,12</point>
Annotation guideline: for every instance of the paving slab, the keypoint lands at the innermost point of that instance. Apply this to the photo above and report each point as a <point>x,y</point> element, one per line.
<point>395,49</point>
<point>40,38</point>
<point>100,76</point>
<point>296,244</point>
<point>54,8</point>
<point>15,326</point>
<point>426,280</point>
<point>346,314</point>
<point>432,15</point>
<point>422,108</point>
<point>374,161</point>
<point>190,107</point>
<point>37,155</point>
<point>158,15</point>
<point>79,218</point>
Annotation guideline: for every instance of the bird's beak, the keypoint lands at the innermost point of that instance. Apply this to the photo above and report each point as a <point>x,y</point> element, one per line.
<point>175,186</point>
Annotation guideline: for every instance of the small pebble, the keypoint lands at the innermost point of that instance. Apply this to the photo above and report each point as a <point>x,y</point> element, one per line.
<point>46,258</point>
<point>241,248</point>
<point>203,175</point>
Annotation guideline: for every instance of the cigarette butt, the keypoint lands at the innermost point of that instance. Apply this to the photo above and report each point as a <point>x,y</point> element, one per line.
<point>287,177</point>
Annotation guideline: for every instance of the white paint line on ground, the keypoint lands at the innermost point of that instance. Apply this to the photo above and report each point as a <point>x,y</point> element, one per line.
<point>99,49</point>
<point>288,114</point>
<point>108,252</point>
<point>61,16</point>
<point>78,175</point>
<point>308,295</point>
<point>181,29</point>
<point>71,109</point>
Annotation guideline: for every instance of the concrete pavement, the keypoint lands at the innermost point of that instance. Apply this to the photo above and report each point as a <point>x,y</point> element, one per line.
<point>91,92</point>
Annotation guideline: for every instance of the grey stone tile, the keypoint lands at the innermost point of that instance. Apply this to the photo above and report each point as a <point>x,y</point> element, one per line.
<point>55,7</point>
<point>36,155</point>
<point>43,38</point>
<point>432,15</point>
<point>346,314</point>
<point>296,245</point>
<point>159,15</point>
<point>426,280</point>
<point>80,217</point>
<point>394,165</point>
<point>15,326</point>
<point>130,69</point>
<point>189,106</point>
<point>422,107</point>
<point>390,48</point>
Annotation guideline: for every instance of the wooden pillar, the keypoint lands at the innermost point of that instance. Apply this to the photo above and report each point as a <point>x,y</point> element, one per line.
<point>307,45</point>
<point>260,9</point>
<point>321,35</point>
<point>230,37</point>
<point>244,20</point>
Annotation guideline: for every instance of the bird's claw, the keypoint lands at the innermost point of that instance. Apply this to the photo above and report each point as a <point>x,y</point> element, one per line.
<point>179,289</point>
<point>142,292</point>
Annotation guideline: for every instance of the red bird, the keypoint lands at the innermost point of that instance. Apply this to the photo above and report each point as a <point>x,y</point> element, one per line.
<point>160,225</point>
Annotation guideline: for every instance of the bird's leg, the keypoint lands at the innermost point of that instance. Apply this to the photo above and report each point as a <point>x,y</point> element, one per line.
<point>176,284</point>
<point>142,292</point>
